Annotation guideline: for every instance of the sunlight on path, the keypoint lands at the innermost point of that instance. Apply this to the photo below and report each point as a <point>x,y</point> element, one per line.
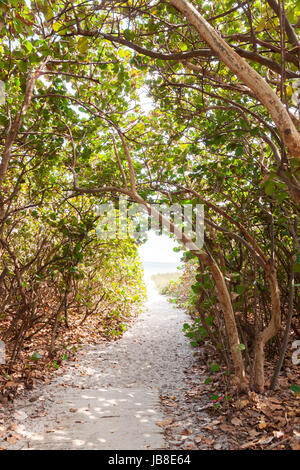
<point>152,293</point>
<point>109,397</point>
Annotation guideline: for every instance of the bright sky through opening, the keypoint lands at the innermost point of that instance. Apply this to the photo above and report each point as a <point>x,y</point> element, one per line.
<point>159,248</point>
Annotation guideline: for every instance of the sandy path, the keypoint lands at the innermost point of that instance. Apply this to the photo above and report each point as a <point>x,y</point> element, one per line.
<point>109,398</point>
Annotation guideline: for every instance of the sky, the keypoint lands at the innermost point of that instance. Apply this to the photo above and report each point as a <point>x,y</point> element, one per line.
<point>159,248</point>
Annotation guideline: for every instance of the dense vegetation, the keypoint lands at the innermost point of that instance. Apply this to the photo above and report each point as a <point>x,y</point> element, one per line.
<point>222,129</point>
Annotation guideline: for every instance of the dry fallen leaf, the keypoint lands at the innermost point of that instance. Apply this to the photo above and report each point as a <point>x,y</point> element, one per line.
<point>249,444</point>
<point>218,446</point>
<point>215,421</point>
<point>165,423</point>
<point>275,400</point>
<point>186,432</point>
<point>12,440</point>
<point>11,384</point>
<point>209,442</point>
<point>266,440</point>
<point>253,433</point>
<point>243,403</point>
<point>236,421</point>
<point>226,428</point>
<point>262,425</point>
<point>295,446</point>
<point>199,438</point>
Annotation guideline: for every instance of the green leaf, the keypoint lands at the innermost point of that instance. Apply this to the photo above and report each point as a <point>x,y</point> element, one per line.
<point>28,46</point>
<point>56,26</point>
<point>239,151</point>
<point>35,357</point>
<point>22,65</point>
<point>196,287</point>
<point>214,367</point>
<point>215,397</point>
<point>128,34</point>
<point>297,267</point>
<point>48,13</point>
<point>83,44</point>
<point>240,289</point>
<point>209,320</point>
<point>295,388</point>
<point>183,46</point>
<point>269,187</point>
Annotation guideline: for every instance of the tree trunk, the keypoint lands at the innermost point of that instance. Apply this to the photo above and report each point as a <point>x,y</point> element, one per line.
<point>268,332</point>
<point>288,326</point>
<point>262,91</point>
<point>229,318</point>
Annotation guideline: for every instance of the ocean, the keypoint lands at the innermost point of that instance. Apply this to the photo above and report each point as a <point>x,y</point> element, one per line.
<point>154,267</point>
